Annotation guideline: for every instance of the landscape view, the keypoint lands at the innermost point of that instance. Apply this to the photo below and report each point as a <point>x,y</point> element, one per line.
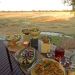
<point>54,21</point>
<point>37,37</point>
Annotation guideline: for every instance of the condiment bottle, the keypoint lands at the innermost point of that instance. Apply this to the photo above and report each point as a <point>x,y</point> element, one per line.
<point>34,37</point>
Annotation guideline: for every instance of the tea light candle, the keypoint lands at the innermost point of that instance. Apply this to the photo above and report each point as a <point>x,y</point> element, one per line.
<point>25,43</point>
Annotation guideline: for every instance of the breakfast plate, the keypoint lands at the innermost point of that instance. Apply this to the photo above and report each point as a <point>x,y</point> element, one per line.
<point>26,57</point>
<point>48,67</point>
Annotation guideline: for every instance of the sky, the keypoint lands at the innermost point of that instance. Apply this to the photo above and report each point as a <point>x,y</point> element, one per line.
<point>28,5</point>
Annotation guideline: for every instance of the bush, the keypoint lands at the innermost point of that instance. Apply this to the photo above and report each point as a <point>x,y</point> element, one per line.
<point>56,40</point>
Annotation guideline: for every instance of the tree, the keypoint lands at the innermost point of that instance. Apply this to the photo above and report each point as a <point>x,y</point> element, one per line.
<point>70,2</point>
<point>73,4</point>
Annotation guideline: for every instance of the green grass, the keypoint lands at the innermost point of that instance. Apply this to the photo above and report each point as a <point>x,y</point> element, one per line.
<point>13,21</point>
<point>56,40</point>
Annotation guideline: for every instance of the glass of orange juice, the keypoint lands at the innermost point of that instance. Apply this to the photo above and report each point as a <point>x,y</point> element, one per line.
<point>45,45</point>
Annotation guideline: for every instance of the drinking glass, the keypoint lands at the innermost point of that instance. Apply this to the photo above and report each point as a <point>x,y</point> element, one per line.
<point>26,31</point>
<point>26,36</point>
<point>12,40</point>
<point>45,46</point>
<point>59,54</point>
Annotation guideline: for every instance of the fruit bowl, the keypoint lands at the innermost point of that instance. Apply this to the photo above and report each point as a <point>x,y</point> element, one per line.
<point>14,37</point>
<point>12,42</point>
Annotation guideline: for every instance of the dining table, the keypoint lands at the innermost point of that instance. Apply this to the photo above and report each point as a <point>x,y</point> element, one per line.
<point>39,55</point>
